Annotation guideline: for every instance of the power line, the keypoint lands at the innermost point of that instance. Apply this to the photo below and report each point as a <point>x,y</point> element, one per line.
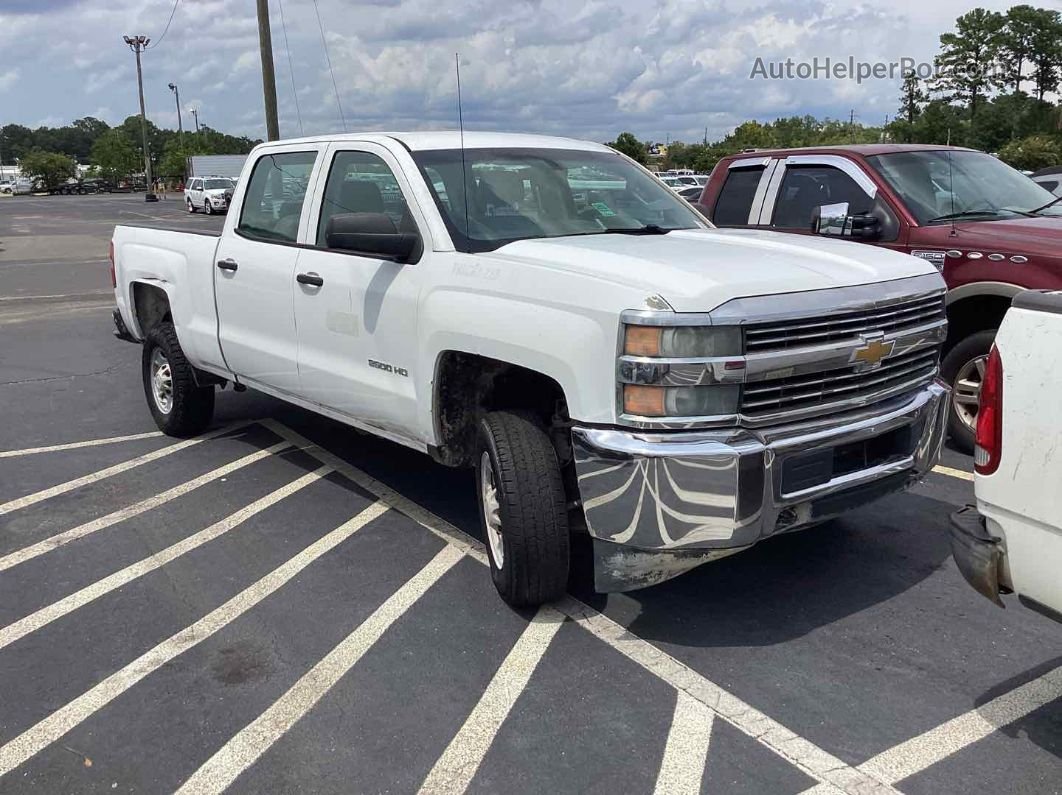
<point>291,68</point>
<point>335,87</point>
<point>165,30</point>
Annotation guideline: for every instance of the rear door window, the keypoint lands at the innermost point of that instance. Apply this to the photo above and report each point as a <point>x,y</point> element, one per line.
<point>734,204</point>
<point>272,205</point>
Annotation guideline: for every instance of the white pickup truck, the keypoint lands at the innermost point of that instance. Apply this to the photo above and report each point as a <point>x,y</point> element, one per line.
<point>1012,541</point>
<point>546,311</point>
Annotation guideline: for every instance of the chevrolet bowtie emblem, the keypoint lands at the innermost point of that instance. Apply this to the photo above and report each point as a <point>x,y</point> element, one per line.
<point>873,352</point>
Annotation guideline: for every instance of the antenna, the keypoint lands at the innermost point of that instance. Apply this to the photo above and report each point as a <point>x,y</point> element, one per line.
<point>951,194</point>
<point>461,127</point>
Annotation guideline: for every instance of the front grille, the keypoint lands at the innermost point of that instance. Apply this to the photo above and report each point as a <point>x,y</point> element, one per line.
<point>898,316</point>
<point>896,374</point>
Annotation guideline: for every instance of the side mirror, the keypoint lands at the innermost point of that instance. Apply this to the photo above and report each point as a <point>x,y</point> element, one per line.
<point>834,220</point>
<point>372,234</point>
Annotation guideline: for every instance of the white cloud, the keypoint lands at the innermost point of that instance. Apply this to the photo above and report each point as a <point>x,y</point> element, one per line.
<point>8,79</point>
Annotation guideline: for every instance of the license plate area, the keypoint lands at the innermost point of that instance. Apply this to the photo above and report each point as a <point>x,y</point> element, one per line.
<point>803,471</point>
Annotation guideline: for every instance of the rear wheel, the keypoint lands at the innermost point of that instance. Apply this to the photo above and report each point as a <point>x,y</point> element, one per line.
<point>523,511</point>
<point>179,406</point>
<point>963,368</point>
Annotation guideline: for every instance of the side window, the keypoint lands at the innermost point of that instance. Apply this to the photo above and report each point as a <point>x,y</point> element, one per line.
<point>275,195</point>
<point>194,185</point>
<point>734,204</point>
<point>360,182</point>
<point>806,187</point>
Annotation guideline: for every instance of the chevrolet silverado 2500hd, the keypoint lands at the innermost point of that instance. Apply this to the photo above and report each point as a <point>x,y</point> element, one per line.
<point>988,228</point>
<point>545,311</point>
<point>1012,542</point>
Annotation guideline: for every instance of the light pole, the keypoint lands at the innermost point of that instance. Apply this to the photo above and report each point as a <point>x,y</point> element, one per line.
<point>195,115</point>
<point>180,125</point>
<point>269,80</point>
<point>137,45</point>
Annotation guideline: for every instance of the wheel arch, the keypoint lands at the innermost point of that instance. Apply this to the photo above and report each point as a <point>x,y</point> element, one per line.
<point>151,306</point>
<point>977,306</point>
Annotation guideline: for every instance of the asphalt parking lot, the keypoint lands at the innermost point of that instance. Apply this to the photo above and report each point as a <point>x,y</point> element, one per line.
<point>286,605</point>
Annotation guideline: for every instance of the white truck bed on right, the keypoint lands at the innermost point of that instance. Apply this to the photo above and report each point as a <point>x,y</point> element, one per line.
<point>1013,541</point>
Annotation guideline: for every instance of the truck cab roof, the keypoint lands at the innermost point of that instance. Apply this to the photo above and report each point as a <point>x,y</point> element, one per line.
<point>452,139</point>
<point>858,150</point>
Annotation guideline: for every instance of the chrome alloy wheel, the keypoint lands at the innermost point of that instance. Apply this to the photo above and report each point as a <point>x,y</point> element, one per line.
<point>966,391</point>
<point>491,510</point>
<point>161,381</point>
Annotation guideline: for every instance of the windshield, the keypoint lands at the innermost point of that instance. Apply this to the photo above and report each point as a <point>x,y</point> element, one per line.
<point>974,186</point>
<point>520,194</point>
<point>218,184</point>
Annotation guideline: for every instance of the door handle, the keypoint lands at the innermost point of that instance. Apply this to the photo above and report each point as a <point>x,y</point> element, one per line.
<point>311,279</point>
<point>227,264</point>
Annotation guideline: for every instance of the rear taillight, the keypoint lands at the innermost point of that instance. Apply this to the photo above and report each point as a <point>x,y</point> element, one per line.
<point>990,417</point>
<point>110,256</point>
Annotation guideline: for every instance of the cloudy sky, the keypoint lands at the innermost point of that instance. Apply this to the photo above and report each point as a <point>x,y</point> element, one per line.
<point>587,68</point>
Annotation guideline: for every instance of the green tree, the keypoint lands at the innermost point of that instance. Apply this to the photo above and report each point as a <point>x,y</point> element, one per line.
<point>967,58</point>
<point>1046,52</point>
<point>1032,153</point>
<point>115,157</point>
<point>627,144</point>
<point>912,97</point>
<point>1016,42</point>
<point>51,168</point>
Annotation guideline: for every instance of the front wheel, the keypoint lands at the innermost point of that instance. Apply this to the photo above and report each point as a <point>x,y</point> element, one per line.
<point>963,368</point>
<point>523,511</point>
<point>207,208</point>
<point>179,406</point>
<point>191,207</point>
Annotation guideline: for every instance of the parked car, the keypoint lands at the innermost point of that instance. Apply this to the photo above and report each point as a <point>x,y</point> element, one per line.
<point>690,194</point>
<point>610,365</point>
<point>1012,541</point>
<point>992,231</point>
<point>209,194</point>
<point>18,186</point>
<point>1049,179</point>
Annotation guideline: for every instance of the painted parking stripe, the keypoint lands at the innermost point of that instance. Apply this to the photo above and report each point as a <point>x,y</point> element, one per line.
<point>796,750</point>
<point>55,448</point>
<point>918,753</point>
<point>686,751</point>
<point>239,753</point>
<point>54,542</point>
<point>954,473</point>
<point>117,469</point>
<point>457,766</point>
<point>89,593</point>
<point>67,717</point>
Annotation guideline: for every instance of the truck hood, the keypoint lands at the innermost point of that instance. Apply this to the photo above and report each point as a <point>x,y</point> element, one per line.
<point>1041,236</point>
<point>696,270</point>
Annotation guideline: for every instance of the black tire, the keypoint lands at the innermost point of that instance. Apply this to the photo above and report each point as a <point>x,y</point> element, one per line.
<point>965,352</point>
<point>191,207</point>
<point>191,407</point>
<point>532,508</point>
<point>206,206</point>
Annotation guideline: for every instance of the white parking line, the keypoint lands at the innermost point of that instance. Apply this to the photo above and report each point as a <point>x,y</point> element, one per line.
<point>796,750</point>
<point>77,445</point>
<point>954,473</point>
<point>686,751</point>
<point>925,750</point>
<point>57,724</point>
<point>56,610</point>
<point>457,766</point>
<point>239,753</point>
<point>20,556</point>
<point>117,469</point>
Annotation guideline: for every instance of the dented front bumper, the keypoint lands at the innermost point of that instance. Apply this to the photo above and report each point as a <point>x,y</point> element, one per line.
<point>658,504</point>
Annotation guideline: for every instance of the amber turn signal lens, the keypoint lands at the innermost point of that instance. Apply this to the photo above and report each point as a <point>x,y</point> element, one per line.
<point>642,341</point>
<point>643,401</point>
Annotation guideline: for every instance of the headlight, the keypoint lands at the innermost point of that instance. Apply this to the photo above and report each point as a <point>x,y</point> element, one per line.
<point>717,400</point>
<point>682,342</point>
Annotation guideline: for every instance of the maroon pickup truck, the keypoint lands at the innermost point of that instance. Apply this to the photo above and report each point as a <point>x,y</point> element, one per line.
<point>991,230</point>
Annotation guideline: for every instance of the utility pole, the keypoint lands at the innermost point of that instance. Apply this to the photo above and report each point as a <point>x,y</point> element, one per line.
<point>195,115</point>
<point>180,124</point>
<point>137,44</point>
<point>269,79</point>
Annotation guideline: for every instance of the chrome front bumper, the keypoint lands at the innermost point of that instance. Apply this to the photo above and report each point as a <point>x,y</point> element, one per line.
<point>657,504</point>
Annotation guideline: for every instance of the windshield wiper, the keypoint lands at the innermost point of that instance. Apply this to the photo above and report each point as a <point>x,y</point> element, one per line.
<point>648,229</point>
<point>1051,203</point>
<point>963,214</point>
